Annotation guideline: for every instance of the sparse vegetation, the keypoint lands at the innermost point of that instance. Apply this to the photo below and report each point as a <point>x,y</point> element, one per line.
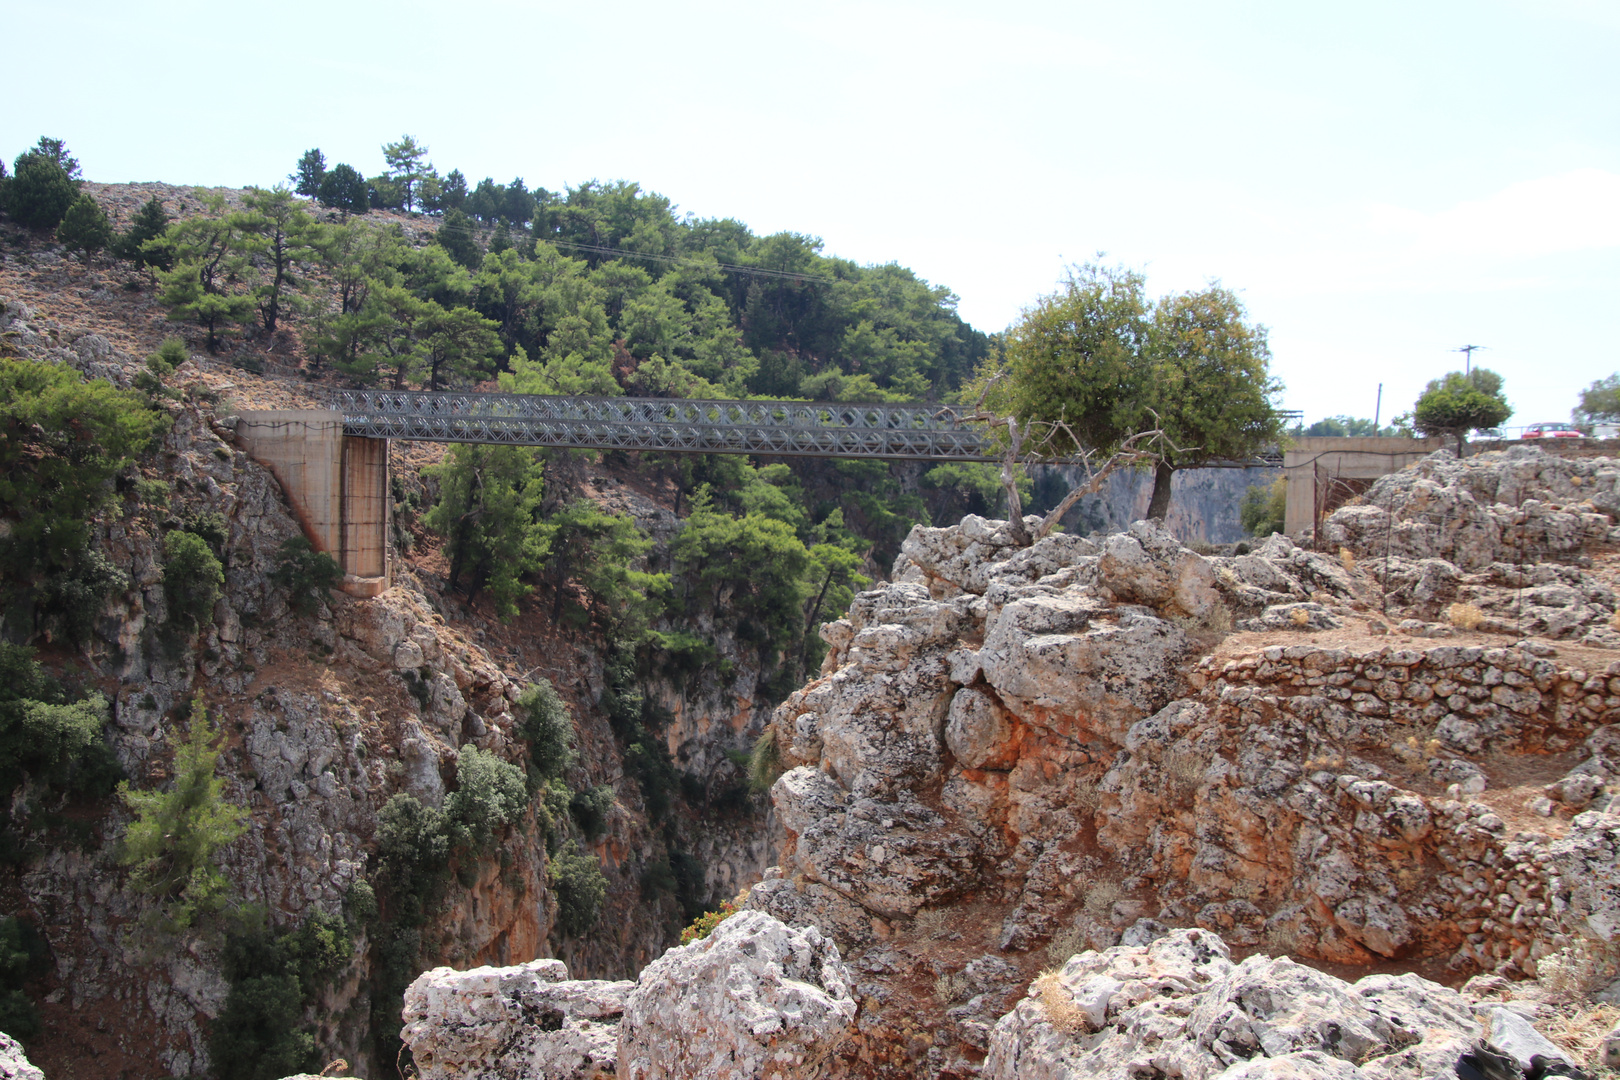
<point>702,926</point>
<point>1101,897</point>
<point>307,575</point>
<point>1057,1004</point>
<point>1465,616</point>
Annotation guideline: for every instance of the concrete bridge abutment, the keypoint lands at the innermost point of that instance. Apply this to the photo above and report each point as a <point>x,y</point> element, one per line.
<point>337,486</point>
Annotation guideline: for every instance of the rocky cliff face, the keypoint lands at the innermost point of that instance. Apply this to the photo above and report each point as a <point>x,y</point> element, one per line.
<point>1055,756</point>
<point>1012,751</point>
<point>1204,503</point>
<point>325,717</point>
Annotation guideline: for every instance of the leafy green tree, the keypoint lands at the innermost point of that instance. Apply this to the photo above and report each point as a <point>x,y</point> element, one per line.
<point>458,345</point>
<point>62,441</point>
<point>1264,509</point>
<point>1458,403</point>
<point>172,845</point>
<point>1098,358</point>
<point>452,192</point>
<point>148,226</point>
<point>580,887</point>
<point>210,254</point>
<point>40,192</point>
<point>21,954</point>
<point>1344,426</point>
<point>1600,401</point>
<point>383,192</point>
<point>192,579</point>
<point>344,189</point>
<point>544,723</point>
<point>282,234</point>
<point>56,152</point>
<point>311,170</point>
<point>456,235</point>
<point>407,166</point>
<point>752,567</point>
<point>490,794</point>
<point>598,553</point>
<point>85,226</point>
<point>488,512</point>
<point>43,734</point>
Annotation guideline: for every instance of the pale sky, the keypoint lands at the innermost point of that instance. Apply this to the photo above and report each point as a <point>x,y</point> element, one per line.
<point>1381,182</point>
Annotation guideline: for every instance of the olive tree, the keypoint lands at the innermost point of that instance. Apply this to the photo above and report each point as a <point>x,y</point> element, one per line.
<point>1458,403</point>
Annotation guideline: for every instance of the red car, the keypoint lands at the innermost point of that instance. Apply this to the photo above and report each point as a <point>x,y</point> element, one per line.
<point>1551,431</point>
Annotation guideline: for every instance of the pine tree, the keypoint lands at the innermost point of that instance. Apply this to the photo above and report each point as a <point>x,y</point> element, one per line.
<point>151,221</point>
<point>309,174</point>
<point>85,226</point>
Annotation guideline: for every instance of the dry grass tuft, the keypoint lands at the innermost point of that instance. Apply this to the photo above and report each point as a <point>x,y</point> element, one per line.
<point>1581,1030</point>
<point>1348,558</point>
<point>931,923</point>
<point>1571,973</point>
<point>1465,616</point>
<point>1099,902</point>
<point>1228,577</point>
<point>1071,942</point>
<point>1057,1004</point>
<point>1300,616</point>
<point>1614,621</point>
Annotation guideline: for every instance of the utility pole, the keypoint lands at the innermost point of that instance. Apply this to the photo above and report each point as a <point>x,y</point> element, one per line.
<point>1468,357</point>
<point>1377,408</point>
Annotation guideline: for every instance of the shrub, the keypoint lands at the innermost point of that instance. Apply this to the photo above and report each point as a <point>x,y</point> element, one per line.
<point>72,600</point>
<point>1465,616</point>
<point>85,226</point>
<point>545,724</point>
<point>257,1035</point>
<point>40,192</point>
<point>42,734</point>
<point>590,808</point>
<point>307,575</point>
<point>192,579</point>
<point>490,794</point>
<point>142,243</point>
<point>22,953</point>
<point>580,888</point>
<point>702,926</point>
<point>171,845</point>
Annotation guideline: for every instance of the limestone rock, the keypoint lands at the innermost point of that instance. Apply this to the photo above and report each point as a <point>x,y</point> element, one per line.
<point>529,1021</point>
<point>755,998</point>
<point>1180,1007</point>
<point>14,1064</point>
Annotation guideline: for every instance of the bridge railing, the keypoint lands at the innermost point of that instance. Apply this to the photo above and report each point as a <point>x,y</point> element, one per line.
<point>784,428</point>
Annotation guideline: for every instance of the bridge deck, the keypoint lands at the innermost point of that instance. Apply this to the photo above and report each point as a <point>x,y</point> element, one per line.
<point>776,428</point>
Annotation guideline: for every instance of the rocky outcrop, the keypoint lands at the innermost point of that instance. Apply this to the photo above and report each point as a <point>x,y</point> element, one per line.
<point>755,998</point>
<point>14,1064</point>
<point>524,1021</point>
<point>1028,748</point>
<point>1181,1007</point>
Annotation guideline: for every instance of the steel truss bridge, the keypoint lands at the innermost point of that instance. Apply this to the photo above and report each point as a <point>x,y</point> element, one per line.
<point>682,426</point>
<point>668,425</point>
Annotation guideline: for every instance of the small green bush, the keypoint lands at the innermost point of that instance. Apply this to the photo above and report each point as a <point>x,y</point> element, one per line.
<point>543,721</point>
<point>490,794</point>
<point>307,575</point>
<point>702,926</point>
<point>580,887</point>
<point>85,226</point>
<point>192,579</point>
<point>590,808</point>
<point>22,954</point>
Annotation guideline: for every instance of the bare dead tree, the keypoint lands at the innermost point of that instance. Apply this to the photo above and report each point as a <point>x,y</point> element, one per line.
<point>1034,442</point>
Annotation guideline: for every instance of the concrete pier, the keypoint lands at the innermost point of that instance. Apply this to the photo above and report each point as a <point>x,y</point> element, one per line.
<point>337,486</point>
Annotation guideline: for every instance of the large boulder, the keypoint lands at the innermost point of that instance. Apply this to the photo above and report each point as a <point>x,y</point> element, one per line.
<point>14,1064</point>
<point>755,998</point>
<point>530,1022</point>
<point>1180,1007</point>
